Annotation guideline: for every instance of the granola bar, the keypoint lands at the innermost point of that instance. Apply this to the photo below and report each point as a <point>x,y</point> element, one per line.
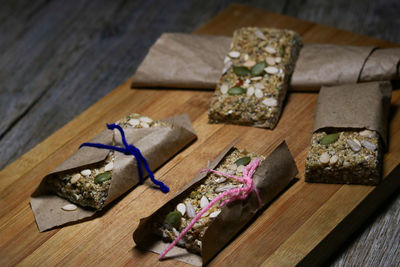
<point>89,187</point>
<point>255,77</point>
<point>349,157</point>
<point>213,185</point>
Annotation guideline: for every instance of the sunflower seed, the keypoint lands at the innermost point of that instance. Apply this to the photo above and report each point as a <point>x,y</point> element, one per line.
<point>278,60</point>
<point>270,50</point>
<point>109,166</point>
<point>354,144</point>
<point>224,188</point>
<point>271,70</point>
<point>144,124</point>
<point>145,119</point>
<point>181,208</point>
<point>220,180</point>
<point>324,158</point>
<point>260,35</point>
<point>250,91</point>
<point>333,159</point>
<point>75,178</point>
<point>258,93</point>
<point>134,122</point>
<point>69,207</point>
<point>234,54</point>
<point>215,214</point>
<point>368,145</point>
<point>190,210</point>
<point>259,86</point>
<point>270,61</point>
<point>227,67</point>
<point>367,133</point>
<point>86,172</point>
<point>249,63</point>
<point>240,168</point>
<point>224,88</point>
<point>204,202</point>
<point>270,102</point>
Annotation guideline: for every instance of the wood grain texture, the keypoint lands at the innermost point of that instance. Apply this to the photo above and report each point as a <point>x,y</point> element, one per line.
<point>86,79</point>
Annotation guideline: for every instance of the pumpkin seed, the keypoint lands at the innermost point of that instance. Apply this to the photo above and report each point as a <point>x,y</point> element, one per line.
<point>282,50</point>
<point>329,139</point>
<point>258,69</point>
<point>102,177</point>
<point>173,219</point>
<point>243,161</point>
<point>236,91</point>
<point>241,71</point>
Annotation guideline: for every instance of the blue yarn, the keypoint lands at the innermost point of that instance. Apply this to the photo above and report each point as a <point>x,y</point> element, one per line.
<point>130,150</point>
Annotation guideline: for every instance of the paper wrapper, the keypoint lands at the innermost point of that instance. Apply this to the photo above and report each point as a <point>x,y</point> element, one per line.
<point>354,106</point>
<point>190,61</point>
<point>270,178</point>
<point>183,61</point>
<point>157,144</point>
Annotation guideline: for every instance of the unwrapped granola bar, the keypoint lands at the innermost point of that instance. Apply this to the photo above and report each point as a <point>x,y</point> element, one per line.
<point>349,136</point>
<point>255,77</point>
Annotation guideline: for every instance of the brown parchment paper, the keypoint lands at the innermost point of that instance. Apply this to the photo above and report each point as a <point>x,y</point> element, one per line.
<point>354,106</point>
<point>179,60</point>
<point>270,178</point>
<point>157,144</point>
<point>183,61</point>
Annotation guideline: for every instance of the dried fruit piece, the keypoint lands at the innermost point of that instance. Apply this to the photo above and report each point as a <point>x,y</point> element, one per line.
<point>329,139</point>
<point>243,161</point>
<point>102,177</point>
<point>241,71</point>
<point>173,219</point>
<point>236,90</point>
<point>258,69</point>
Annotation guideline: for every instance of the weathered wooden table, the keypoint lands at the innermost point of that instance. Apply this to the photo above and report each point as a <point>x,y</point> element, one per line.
<point>20,241</point>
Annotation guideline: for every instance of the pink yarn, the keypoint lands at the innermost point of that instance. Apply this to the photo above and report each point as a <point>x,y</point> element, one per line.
<point>233,194</point>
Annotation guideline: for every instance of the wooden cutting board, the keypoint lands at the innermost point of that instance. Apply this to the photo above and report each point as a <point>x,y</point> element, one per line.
<point>304,225</point>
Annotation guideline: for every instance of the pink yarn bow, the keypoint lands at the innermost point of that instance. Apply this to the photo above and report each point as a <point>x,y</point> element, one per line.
<point>232,194</point>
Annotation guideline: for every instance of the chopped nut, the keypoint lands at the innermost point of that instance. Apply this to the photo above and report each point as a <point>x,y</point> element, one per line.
<point>109,166</point>
<point>258,93</point>
<point>367,133</point>
<point>75,178</point>
<point>249,63</point>
<point>224,88</point>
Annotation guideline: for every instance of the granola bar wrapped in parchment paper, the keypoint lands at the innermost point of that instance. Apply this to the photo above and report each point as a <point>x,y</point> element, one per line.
<point>92,178</point>
<point>198,61</point>
<point>274,173</point>
<point>350,132</point>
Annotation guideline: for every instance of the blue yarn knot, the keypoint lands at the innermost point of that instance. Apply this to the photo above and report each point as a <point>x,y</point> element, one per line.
<point>130,150</point>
